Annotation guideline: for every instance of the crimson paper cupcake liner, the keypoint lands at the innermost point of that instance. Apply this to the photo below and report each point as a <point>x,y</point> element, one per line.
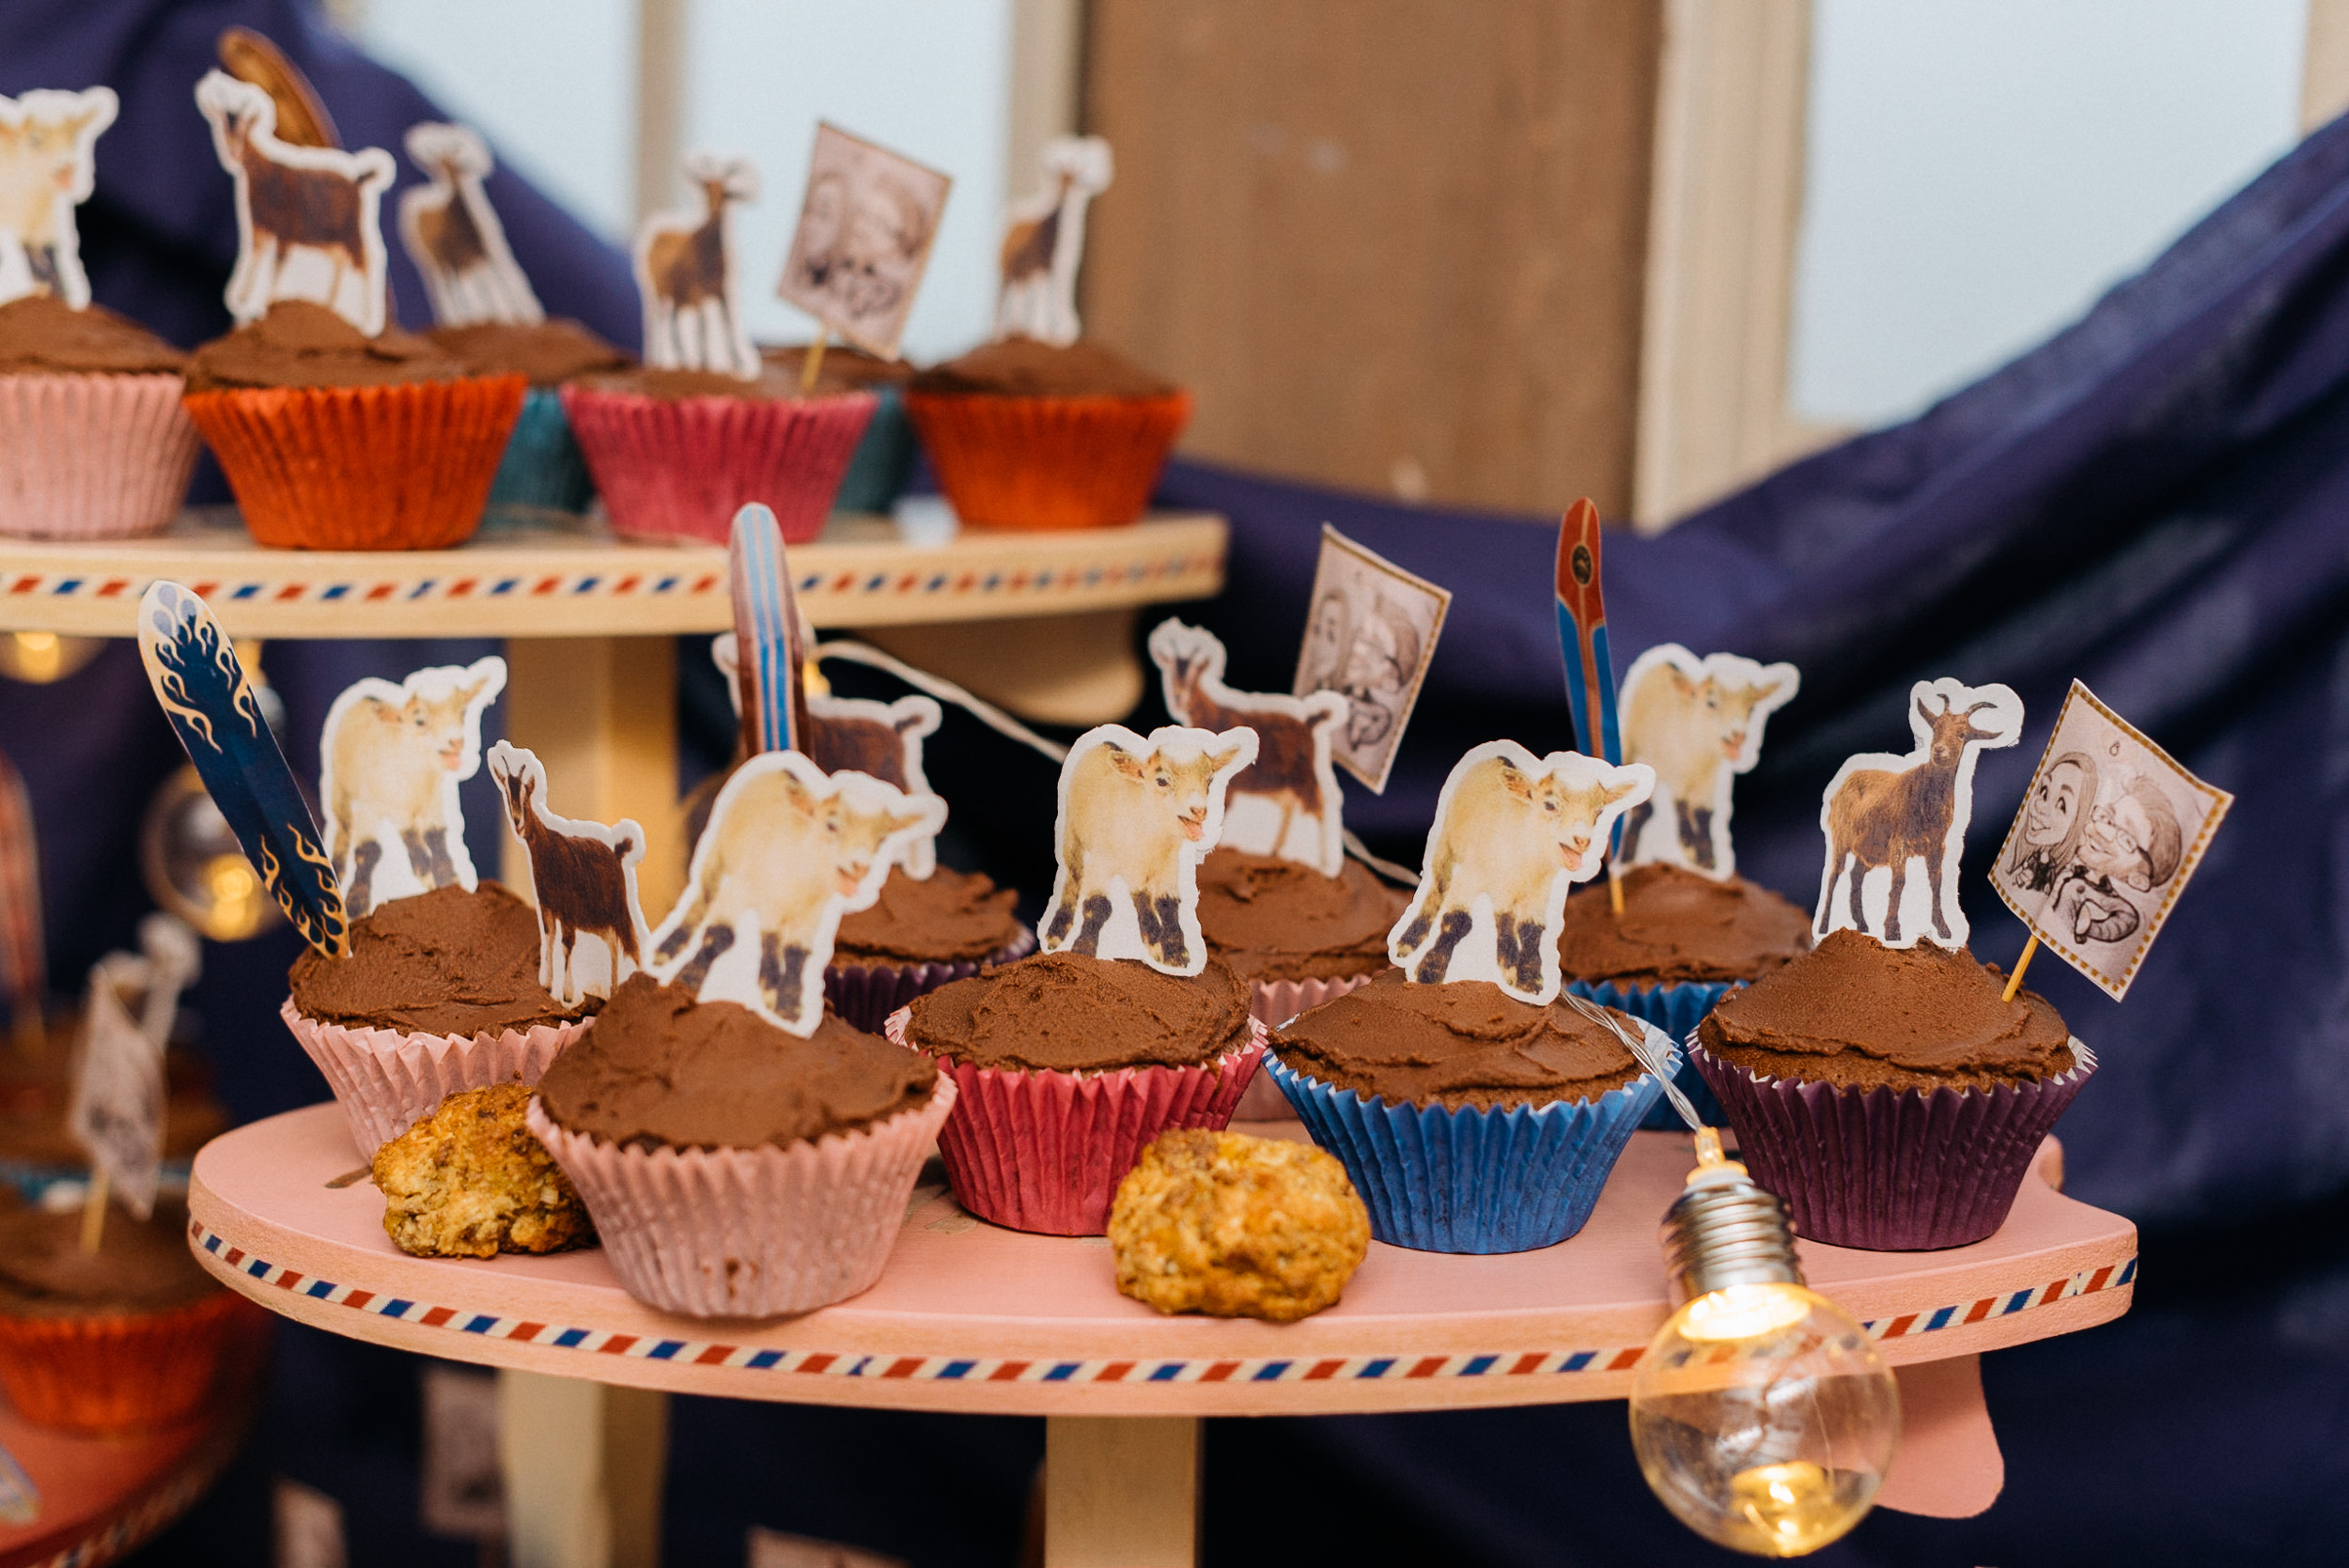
<point>681,467</point>
<point>865,994</point>
<point>1272,1003</point>
<point>1677,1010</point>
<point>92,457</point>
<point>1048,462</point>
<point>1891,1171</point>
<point>388,1079</point>
<point>117,1371</point>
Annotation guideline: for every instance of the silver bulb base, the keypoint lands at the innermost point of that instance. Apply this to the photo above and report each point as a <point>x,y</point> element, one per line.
<point>1726,1231</point>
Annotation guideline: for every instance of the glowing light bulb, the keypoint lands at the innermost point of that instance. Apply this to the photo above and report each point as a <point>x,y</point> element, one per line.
<point>38,657</point>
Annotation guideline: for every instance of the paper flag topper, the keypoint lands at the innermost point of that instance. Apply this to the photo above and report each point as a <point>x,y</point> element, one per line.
<point>115,1111</point>
<point>585,876</point>
<point>788,851</point>
<point>1513,833</point>
<point>1582,634</point>
<point>687,278</point>
<point>212,705</point>
<point>453,234</point>
<point>1286,802</point>
<point>390,757</point>
<point>1882,811</point>
<point>866,226</point>
<point>47,167</point>
<point>1698,722</point>
<point>1369,637</point>
<point>2110,830</point>
<point>1044,246</point>
<point>1137,815</point>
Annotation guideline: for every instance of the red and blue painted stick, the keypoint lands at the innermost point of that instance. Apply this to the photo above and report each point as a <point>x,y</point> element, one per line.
<point>1582,635</point>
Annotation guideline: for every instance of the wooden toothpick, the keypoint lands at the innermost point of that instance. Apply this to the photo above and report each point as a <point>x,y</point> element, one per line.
<point>94,1208</point>
<point>1614,887</point>
<point>811,365</point>
<point>2015,981</point>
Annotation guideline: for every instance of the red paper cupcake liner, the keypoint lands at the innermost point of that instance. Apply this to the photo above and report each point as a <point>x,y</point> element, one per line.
<point>1044,1151</point>
<point>405,466</point>
<point>865,994</point>
<point>116,1371</point>
<point>92,457</point>
<point>681,467</point>
<point>1891,1170</point>
<point>1272,1003</point>
<point>388,1079</point>
<point>1048,462</point>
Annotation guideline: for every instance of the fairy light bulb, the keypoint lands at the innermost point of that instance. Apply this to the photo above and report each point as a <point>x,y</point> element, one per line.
<point>1762,1416</point>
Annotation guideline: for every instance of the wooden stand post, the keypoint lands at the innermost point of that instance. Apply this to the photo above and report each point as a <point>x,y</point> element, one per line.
<point>1121,1492</point>
<point>601,712</point>
<point>582,1465</point>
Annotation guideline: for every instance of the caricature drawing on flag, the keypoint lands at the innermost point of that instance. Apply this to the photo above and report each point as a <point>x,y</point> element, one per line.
<point>1369,636</point>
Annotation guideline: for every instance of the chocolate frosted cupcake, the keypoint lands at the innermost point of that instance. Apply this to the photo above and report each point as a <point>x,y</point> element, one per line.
<point>93,441</point>
<point>733,1169</point>
<point>1889,1095</point>
<point>1068,1067</point>
<point>1470,1121</point>
<point>885,458</point>
<point>439,992</point>
<point>543,467</point>
<point>921,934</point>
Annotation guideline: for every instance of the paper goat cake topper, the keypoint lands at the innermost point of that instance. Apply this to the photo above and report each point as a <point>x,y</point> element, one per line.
<point>1286,802</point>
<point>1137,815</point>
<point>453,234</point>
<point>1513,833</point>
<point>1369,637</point>
<point>1881,812</point>
<point>390,758</point>
<point>2111,830</point>
<point>585,877</point>
<point>866,226</point>
<point>687,278</point>
<point>1698,722</point>
<point>1044,244</point>
<point>47,167</point>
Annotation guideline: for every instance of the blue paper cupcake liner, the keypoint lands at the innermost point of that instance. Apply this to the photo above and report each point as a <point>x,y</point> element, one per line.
<point>1472,1181</point>
<point>543,467</point>
<point>883,461</point>
<point>1677,1010</point>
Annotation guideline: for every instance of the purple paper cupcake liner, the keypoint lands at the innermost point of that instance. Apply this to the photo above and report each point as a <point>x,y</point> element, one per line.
<point>1473,1181</point>
<point>1891,1171</point>
<point>1677,1010</point>
<point>865,994</point>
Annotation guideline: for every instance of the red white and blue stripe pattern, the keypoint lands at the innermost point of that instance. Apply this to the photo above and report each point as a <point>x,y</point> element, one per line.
<point>766,647</point>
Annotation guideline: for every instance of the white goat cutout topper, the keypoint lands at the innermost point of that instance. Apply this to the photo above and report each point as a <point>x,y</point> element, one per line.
<point>1880,812</point>
<point>1698,722</point>
<point>1137,815</point>
<point>585,877</point>
<point>1513,833</point>
<point>788,851</point>
<point>1045,241</point>
<point>687,278</point>
<point>47,167</point>
<point>1286,802</point>
<point>453,234</point>
<point>390,758</point>
<point>298,210</point>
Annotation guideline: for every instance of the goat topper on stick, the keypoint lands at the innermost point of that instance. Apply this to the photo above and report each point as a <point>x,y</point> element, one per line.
<point>1044,246</point>
<point>390,758</point>
<point>47,167</point>
<point>687,278</point>
<point>1698,722</point>
<point>585,876</point>
<point>453,234</point>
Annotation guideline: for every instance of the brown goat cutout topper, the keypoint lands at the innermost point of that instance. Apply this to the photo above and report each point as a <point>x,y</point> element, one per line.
<point>686,279</point>
<point>47,167</point>
<point>788,851</point>
<point>1698,722</point>
<point>585,876</point>
<point>1513,833</point>
<point>1044,246</point>
<point>309,219</point>
<point>866,226</point>
<point>453,234</point>
<point>1286,802</point>
<point>1137,815</point>
<point>1880,812</point>
<point>390,758</point>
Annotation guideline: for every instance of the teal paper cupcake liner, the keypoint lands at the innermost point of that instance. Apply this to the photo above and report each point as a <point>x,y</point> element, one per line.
<point>543,467</point>
<point>1677,1010</point>
<point>883,460</point>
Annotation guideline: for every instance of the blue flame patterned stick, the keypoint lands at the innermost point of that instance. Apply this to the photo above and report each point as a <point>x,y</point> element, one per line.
<point>210,703</point>
<point>767,643</point>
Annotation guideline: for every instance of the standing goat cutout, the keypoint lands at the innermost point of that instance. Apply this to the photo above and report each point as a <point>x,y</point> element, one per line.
<point>1881,812</point>
<point>1513,835</point>
<point>292,200</point>
<point>390,757</point>
<point>685,275</point>
<point>1698,722</point>
<point>585,876</point>
<point>453,234</point>
<point>47,167</point>
<point>1045,243</point>
<point>1291,784</point>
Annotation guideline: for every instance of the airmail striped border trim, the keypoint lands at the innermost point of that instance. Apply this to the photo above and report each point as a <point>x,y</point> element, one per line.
<point>1094,1370</point>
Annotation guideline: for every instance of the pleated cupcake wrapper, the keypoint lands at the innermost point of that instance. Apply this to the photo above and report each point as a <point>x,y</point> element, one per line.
<point>1440,1180</point>
<point>1891,1171</point>
<point>1272,1003</point>
<point>670,468</point>
<point>405,466</point>
<point>865,994</point>
<point>116,1371</point>
<point>1044,1151</point>
<point>388,1079</point>
<point>883,460</point>
<point>543,468</point>
<point>92,457</point>
<point>1677,1010</point>
<point>1048,462</point>
<point>749,1232</point>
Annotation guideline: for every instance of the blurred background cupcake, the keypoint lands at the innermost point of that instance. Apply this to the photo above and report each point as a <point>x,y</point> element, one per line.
<point>883,460</point>
<point>93,441</point>
<point>921,934</point>
<point>543,468</point>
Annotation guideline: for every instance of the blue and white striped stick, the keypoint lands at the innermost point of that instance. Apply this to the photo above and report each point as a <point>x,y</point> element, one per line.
<point>766,646</point>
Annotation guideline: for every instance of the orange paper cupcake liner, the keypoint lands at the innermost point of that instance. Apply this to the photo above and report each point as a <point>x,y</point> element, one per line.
<point>1048,462</point>
<point>406,466</point>
<point>116,1371</point>
<point>92,457</point>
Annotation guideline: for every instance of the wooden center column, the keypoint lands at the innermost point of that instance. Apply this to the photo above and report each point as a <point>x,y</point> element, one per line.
<point>1121,1492</point>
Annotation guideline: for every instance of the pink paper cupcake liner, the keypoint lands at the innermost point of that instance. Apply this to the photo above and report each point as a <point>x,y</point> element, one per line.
<point>387,1080</point>
<point>865,994</point>
<point>1891,1171</point>
<point>1044,1151</point>
<point>92,457</point>
<point>682,467</point>
<point>1272,1003</point>
<point>749,1232</point>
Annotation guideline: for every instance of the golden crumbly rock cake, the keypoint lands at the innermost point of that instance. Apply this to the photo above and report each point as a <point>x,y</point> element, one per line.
<point>472,1180</point>
<point>1234,1226</point>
